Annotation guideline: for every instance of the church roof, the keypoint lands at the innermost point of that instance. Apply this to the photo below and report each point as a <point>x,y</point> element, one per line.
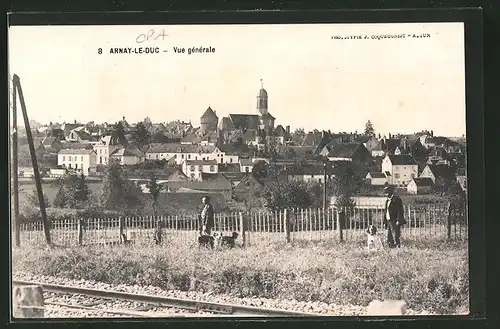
<point>246,121</point>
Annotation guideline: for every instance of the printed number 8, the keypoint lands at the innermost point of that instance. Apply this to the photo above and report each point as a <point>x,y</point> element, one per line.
<point>99,51</point>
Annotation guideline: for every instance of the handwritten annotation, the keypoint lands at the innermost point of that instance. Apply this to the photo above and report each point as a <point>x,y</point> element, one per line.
<point>151,35</point>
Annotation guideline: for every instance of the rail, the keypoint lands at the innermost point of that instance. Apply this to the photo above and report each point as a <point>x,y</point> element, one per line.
<point>162,301</point>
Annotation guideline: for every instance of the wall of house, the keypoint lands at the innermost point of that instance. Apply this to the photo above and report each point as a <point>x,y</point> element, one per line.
<point>195,171</point>
<point>403,174</point>
<point>378,181</point>
<point>428,173</point>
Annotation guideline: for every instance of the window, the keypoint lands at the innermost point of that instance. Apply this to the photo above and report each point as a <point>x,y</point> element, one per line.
<point>200,168</point>
<point>231,160</point>
<point>69,157</point>
<point>319,180</point>
<point>192,175</point>
<point>69,166</point>
<point>63,158</point>
<point>100,151</point>
<point>189,156</point>
<point>76,165</point>
<point>192,168</point>
<point>82,159</point>
<point>100,158</point>
<point>157,156</point>
<point>396,175</point>
<point>247,169</point>
<point>182,156</point>
<point>212,168</point>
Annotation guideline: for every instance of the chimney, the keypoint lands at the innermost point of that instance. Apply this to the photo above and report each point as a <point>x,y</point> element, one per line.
<point>322,133</point>
<point>288,130</point>
<point>432,133</point>
<point>75,121</point>
<point>123,118</point>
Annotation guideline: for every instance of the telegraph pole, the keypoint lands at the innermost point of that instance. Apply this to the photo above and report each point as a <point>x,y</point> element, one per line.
<point>325,201</point>
<point>38,181</point>
<point>14,192</point>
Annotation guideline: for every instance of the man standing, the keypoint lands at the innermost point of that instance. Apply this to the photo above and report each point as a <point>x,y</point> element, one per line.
<point>207,216</point>
<point>393,217</point>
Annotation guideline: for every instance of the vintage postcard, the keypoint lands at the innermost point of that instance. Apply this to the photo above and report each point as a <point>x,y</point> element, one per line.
<point>238,170</point>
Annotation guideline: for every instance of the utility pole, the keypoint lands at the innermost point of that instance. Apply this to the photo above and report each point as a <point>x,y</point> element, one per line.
<point>14,192</point>
<point>38,181</point>
<point>325,201</point>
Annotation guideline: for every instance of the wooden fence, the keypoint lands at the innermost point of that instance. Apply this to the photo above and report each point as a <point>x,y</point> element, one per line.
<point>425,223</point>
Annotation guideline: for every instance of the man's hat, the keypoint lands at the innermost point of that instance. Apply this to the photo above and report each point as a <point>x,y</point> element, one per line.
<point>388,188</point>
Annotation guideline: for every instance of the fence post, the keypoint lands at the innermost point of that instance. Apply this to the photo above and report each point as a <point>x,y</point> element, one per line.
<point>286,226</point>
<point>450,213</point>
<point>340,223</point>
<point>121,228</point>
<point>80,231</point>
<point>242,229</point>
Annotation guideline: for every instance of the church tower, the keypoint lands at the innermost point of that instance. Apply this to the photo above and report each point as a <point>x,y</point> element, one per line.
<point>262,100</point>
<point>265,118</point>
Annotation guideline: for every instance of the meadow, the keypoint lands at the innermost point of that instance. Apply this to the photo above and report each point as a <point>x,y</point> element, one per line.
<point>430,276</point>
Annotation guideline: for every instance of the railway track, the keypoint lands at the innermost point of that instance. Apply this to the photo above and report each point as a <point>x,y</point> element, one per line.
<point>154,306</point>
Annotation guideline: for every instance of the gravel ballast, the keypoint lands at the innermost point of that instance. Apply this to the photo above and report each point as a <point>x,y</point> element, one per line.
<point>291,305</point>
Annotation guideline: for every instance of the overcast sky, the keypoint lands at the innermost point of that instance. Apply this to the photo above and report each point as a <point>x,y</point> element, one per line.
<point>401,85</point>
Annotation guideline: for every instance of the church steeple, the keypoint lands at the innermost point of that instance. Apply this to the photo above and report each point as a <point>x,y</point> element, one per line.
<point>262,100</point>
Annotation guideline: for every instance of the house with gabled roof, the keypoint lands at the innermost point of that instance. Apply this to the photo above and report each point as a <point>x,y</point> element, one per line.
<point>78,160</point>
<point>246,165</point>
<point>209,183</point>
<point>310,173</point>
<point>249,186</point>
<point>420,185</point>
<point>234,177</point>
<point>442,174</point>
<point>195,168</point>
<point>389,145</point>
<point>127,156</point>
<point>376,178</point>
<point>345,152</point>
<point>181,152</point>
<point>280,135</point>
<point>399,169</point>
<point>312,138</point>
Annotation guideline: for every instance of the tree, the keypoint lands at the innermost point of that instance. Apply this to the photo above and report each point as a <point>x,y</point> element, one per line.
<point>369,130</point>
<point>118,193</point>
<point>260,169</point>
<point>61,199</point>
<point>119,133</point>
<point>141,134</point>
<point>73,191</point>
<point>81,192</point>
<point>289,195</point>
<point>344,186</point>
<point>154,190</point>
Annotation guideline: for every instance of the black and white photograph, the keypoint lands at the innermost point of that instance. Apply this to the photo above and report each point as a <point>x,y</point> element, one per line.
<point>259,170</point>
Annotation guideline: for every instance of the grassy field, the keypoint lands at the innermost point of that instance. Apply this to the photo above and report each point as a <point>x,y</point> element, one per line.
<point>431,276</point>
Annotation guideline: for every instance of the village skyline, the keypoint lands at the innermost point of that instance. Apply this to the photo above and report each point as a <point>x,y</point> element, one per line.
<point>313,82</point>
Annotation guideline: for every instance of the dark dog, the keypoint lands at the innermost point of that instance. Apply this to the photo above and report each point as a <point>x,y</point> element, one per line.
<point>229,241</point>
<point>206,241</point>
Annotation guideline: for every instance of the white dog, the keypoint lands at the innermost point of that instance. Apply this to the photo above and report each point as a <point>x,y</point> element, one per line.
<point>373,241</point>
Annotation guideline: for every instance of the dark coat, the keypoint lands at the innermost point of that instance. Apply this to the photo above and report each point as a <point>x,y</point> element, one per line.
<point>209,216</point>
<point>396,211</point>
